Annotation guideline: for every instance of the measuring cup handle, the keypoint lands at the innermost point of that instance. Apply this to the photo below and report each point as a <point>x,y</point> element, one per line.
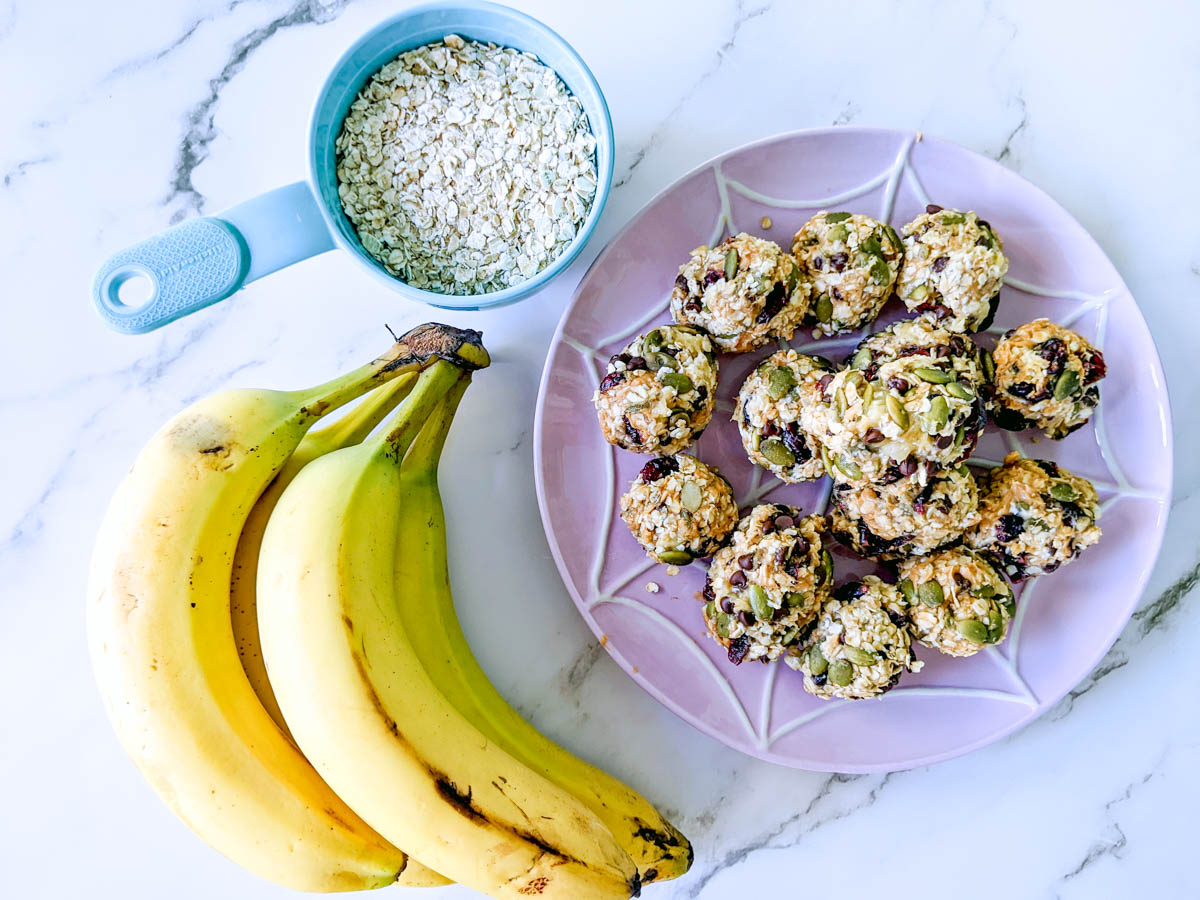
<point>201,261</point>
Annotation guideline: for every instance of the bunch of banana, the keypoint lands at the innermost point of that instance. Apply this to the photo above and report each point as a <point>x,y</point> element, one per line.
<point>290,674</point>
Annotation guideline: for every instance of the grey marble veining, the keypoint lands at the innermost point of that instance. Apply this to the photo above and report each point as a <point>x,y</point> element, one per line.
<point>155,112</point>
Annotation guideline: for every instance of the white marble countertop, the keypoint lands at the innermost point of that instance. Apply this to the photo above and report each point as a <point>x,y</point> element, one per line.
<point>122,118</point>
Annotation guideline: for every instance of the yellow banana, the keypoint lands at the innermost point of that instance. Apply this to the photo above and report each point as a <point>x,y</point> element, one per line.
<point>426,608</point>
<point>352,428</point>
<point>367,714</point>
<point>161,638</point>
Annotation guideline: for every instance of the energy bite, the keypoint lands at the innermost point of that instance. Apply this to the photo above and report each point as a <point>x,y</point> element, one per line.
<point>954,267</point>
<point>765,586</point>
<point>852,262</point>
<point>957,603</point>
<point>1034,516</point>
<point>769,411</point>
<point>744,292</point>
<point>1046,377</point>
<point>659,392</point>
<point>679,509</point>
<point>905,518</point>
<point>909,405</point>
<point>860,645</point>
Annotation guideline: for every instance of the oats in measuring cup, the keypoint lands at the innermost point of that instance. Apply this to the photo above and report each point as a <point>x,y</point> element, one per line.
<point>466,168</point>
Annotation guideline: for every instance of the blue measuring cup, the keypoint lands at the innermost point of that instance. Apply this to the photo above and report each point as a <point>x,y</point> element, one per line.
<point>204,260</point>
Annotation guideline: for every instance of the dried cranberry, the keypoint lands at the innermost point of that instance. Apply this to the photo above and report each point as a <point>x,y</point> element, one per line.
<point>738,648</point>
<point>939,311</point>
<point>897,383</point>
<point>1009,419</point>
<point>611,380</point>
<point>1048,466</point>
<point>958,346</point>
<point>773,304</point>
<point>1072,512</point>
<point>659,467</point>
<point>913,350</point>
<point>1021,389</point>
<point>837,294</point>
<point>702,392</point>
<point>1009,527</point>
<point>838,261</point>
<point>933,208</point>
<point>707,593</point>
<point>681,281</point>
<point>897,619</point>
<point>1054,352</point>
<point>712,276</point>
<point>793,439</point>
<point>940,263</point>
<point>1094,367</point>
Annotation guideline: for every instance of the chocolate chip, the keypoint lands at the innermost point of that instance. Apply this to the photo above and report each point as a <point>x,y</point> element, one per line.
<point>746,561</point>
<point>908,466</point>
<point>801,545</point>
<point>944,441</point>
<point>940,263</point>
<point>770,429</point>
<point>873,436</point>
<point>783,522</point>
<point>818,263</point>
<point>726,605</point>
<point>1008,528</point>
<point>819,680</point>
<point>635,364</point>
<point>823,382</point>
<point>738,579</point>
<point>933,208</point>
<point>837,295</point>
<point>941,351</point>
<point>838,261</point>
<point>681,281</point>
<point>1021,389</point>
<point>773,304</point>
<point>746,617</point>
<point>702,392</point>
<point>897,383</point>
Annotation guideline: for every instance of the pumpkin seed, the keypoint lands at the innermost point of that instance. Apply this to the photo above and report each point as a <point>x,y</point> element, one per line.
<point>654,340</point>
<point>758,603</point>
<point>679,381</point>
<point>839,403</point>
<point>1067,384</point>
<point>868,394</point>
<point>892,236</point>
<point>836,217</point>
<point>825,460</point>
<point>675,557</point>
<point>986,591</point>
<point>909,592</point>
<point>731,262</point>
<point>848,468</point>
<point>1010,605</point>
<point>841,672</point>
<point>1063,492</point>
<point>656,360</point>
<point>960,390</point>
<point>824,308</point>
<point>779,382</point>
<point>989,365</point>
<point>690,496</point>
<point>790,635</point>
<point>972,630</point>
<point>919,293</point>
<point>795,598</point>
<point>861,359</point>
<point>939,413</point>
<point>724,622</point>
<point>677,419</point>
<point>838,233</point>
<point>793,276</point>
<point>871,245</point>
<point>934,376</point>
<point>826,567</point>
<point>776,453</point>
<point>880,273</point>
<point>896,412</point>
<point>995,628</point>
<point>859,656</point>
<point>953,219</point>
<point>931,594</point>
<point>710,609</point>
<point>817,663</point>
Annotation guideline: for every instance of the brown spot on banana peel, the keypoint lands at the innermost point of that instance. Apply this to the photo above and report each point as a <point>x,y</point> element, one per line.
<point>460,346</point>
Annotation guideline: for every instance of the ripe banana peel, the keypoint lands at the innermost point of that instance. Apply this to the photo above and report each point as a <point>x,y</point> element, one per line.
<point>162,644</point>
<point>368,715</point>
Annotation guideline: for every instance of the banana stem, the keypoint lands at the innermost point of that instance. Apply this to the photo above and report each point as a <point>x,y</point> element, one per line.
<point>354,427</point>
<point>432,386</point>
<point>426,450</point>
<point>415,350</point>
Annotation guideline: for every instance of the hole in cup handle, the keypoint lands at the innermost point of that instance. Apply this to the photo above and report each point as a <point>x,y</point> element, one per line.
<point>202,261</point>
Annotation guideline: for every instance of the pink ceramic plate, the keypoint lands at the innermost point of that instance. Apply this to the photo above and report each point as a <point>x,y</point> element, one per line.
<point>1065,621</point>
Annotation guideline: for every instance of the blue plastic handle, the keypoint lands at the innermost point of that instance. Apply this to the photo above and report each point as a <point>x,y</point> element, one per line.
<point>202,261</point>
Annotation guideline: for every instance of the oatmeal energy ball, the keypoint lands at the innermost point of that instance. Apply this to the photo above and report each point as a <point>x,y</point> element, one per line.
<point>852,262</point>
<point>954,266</point>
<point>859,647</point>
<point>765,586</point>
<point>1034,516</point>
<point>769,410</point>
<point>905,518</point>
<point>679,509</point>
<point>1046,377</point>
<point>909,405</point>
<point>957,603</point>
<point>744,292</point>
<point>659,392</point>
